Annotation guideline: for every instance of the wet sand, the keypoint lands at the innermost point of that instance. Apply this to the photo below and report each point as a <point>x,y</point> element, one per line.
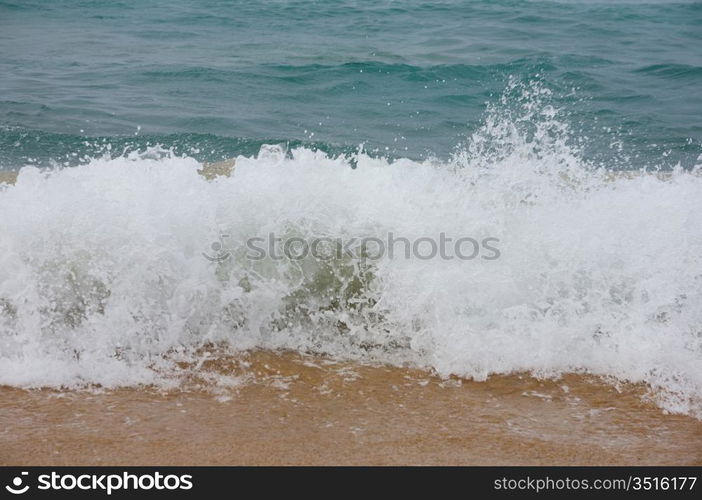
<point>305,410</point>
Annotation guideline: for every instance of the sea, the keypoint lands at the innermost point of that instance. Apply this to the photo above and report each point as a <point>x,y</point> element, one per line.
<point>564,137</point>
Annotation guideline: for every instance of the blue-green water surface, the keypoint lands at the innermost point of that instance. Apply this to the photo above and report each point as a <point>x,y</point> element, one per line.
<point>215,79</point>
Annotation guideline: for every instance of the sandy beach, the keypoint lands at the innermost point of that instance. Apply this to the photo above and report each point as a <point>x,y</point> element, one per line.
<point>307,410</point>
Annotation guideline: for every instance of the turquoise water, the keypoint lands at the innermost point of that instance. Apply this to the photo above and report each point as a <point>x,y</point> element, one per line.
<point>215,79</point>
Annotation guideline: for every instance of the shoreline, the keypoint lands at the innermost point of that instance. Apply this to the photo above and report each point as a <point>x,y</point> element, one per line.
<point>308,411</point>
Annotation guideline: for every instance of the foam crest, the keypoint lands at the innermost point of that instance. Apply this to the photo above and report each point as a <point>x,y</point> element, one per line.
<point>103,278</point>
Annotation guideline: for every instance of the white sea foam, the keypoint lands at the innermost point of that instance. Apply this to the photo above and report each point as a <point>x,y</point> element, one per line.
<point>103,281</point>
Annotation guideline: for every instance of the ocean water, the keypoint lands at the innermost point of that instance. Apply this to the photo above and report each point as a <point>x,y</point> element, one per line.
<point>214,79</point>
<point>570,131</point>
